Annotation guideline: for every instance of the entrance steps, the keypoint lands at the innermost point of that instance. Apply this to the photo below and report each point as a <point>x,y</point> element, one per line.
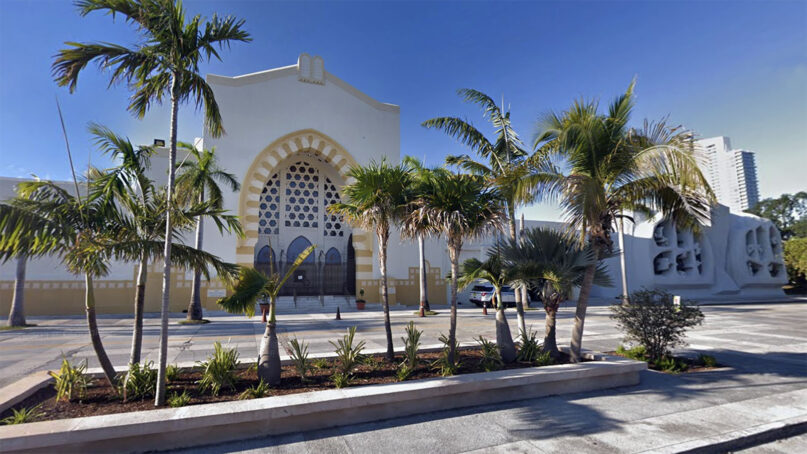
<point>309,304</point>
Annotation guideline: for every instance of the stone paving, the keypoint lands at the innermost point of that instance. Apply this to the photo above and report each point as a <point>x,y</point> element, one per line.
<point>764,345</point>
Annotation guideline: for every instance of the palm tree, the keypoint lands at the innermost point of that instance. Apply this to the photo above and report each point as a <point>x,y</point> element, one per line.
<point>553,263</point>
<point>198,177</point>
<point>144,206</point>
<point>165,63</point>
<point>505,156</point>
<point>16,316</point>
<point>86,233</point>
<point>492,271</point>
<point>377,199</point>
<point>421,175</point>
<point>598,168</point>
<point>459,207</point>
<point>251,287</point>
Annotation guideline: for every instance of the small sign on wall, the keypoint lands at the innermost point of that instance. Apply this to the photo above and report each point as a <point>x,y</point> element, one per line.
<point>216,293</point>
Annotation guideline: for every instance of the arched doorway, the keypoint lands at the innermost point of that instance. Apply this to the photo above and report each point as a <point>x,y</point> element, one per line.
<point>265,261</point>
<point>293,215</point>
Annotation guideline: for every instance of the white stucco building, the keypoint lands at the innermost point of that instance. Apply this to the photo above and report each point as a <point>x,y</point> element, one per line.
<point>292,134</point>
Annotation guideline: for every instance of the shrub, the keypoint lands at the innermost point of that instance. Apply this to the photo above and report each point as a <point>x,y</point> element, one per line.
<point>347,353</point>
<point>179,400</point>
<point>219,369</point>
<point>171,372</point>
<point>707,360</point>
<point>322,363</point>
<point>403,372</point>
<point>70,380</point>
<point>543,359</point>
<point>371,362</point>
<point>530,348</point>
<point>299,358</point>
<point>652,320</point>
<point>411,345</point>
<point>141,381</point>
<point>491,358</point>
<point>638,352</point>
<point>670,364</point>
<point>442,363</point>
<point>255,392</point>
<point>340,380</point>
<point>24,415</point>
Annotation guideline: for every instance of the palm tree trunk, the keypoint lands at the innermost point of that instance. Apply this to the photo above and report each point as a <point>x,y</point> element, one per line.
<point>454,254</point>
<point>95,337</point>
<point>195,306</point>
<point>522,323</point>
<point>16,316</point>
<point>504,340</point>
<point>623,268</point>
<point>424,299</point>
<point>580,312</point>
<point>269,360</point>
<point>382,266</point>
<point>159,398</point>
<point>140,298</point>
<point>550,337</point>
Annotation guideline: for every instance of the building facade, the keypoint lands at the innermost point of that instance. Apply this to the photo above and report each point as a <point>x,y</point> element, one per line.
<point>292,134</point>
<point>731,173</point>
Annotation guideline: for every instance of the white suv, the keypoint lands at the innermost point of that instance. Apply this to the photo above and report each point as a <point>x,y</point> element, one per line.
<point>482,293</point>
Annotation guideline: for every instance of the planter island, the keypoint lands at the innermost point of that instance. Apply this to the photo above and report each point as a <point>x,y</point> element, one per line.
<point>202,424</point>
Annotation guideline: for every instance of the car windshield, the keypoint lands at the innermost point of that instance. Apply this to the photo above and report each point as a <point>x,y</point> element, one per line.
<point>482,288</point>
<point>506,289</point>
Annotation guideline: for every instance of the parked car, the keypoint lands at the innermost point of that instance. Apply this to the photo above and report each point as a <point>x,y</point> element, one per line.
<point>483,293</point>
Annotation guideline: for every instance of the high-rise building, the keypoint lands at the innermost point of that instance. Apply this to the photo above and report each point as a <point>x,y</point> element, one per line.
<point>731,173</point>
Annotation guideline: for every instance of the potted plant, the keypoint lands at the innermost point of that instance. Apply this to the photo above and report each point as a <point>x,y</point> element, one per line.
<point>360,300</point>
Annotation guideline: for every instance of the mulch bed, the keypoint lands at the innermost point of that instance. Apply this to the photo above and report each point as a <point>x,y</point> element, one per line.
<point>101,400</point>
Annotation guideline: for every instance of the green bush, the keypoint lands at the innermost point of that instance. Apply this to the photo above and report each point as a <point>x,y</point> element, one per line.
<point>795,256</point>
<point>299,358</point>
<point>371,362</point>
<point>70,380</point>
<point>707,360</point>
<point>403,372</point>
<point>491,358</point>
<point>530,347</point>
<point>171,372</point>
<point>24,415</point>
<point>543,359</point>
<point>140,382</point>
<point>670,364</point>
<point>411,346</point>
<point>442,364</point>
<point>179,400</point>
<point>322,363</point>
<point>652,320</point>
<point>340,380</point>
<point>219,369</point>
<point>347,353</point>
<point>256,392</point>
<point>638,352</point>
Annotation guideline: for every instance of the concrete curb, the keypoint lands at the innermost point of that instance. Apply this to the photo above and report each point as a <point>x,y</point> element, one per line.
<point>744,438</point>
<point>219,422</point>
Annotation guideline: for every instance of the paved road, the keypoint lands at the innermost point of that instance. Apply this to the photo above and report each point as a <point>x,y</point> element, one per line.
<point>765,346</point>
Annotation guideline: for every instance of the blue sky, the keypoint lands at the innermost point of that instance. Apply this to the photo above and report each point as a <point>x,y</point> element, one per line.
<point>719,68</point>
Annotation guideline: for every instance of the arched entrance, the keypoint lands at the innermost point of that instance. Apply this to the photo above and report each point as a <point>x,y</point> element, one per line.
<point>294,215</point>
<point>331,163</point>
